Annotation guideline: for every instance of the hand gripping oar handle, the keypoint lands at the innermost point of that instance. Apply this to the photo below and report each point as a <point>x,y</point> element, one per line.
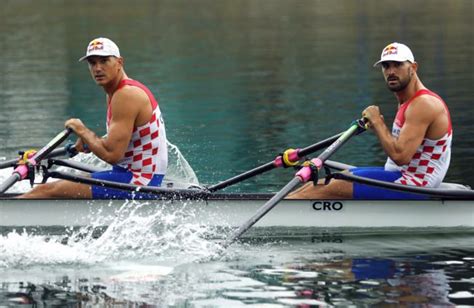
<point>21,171</point>
<point>301,176</point>
<point>277,162</point>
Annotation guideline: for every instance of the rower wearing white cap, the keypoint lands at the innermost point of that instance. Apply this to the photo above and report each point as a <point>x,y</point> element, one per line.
<point>418,146</point>
<point>135,144</point>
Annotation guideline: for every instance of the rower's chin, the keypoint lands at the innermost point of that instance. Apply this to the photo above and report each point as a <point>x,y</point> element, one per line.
<point>100,81</point>
<point>394,86</point>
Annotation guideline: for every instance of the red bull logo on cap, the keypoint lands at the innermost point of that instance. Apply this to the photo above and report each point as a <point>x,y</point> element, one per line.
<point>390,50</point>
<point>95,45</point>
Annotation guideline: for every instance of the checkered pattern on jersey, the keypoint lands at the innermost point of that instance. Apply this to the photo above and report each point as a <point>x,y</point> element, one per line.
<point>141,155</point>
<point>426,163</point>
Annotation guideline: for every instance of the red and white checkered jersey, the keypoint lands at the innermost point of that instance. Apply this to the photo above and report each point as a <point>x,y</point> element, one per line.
<point>431,161</point>
<point>147,152</point>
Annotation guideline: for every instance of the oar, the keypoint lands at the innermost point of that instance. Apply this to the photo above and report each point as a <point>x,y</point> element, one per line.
<point>302,176</point>
<point>67,150</point>
<point>21,171</point>
<point>277,162</point>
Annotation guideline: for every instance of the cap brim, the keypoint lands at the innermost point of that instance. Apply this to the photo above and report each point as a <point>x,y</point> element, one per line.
<point>97,54</point>
<point>375,64</point>
<point>388,59</point>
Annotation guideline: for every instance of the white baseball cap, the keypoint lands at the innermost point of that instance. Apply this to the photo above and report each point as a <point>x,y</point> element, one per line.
<point>101,47</point>
<point>396,52</point>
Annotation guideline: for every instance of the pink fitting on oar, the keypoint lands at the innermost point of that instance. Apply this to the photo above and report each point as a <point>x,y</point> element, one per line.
<point>32,161</point>
<point>22,170</point>
<point>317,162</point>
<point>293,156</point>
<point>305,173</point>
<point>278,162</point>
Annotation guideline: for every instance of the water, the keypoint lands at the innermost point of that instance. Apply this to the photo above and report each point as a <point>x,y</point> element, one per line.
<point>314,269</point>
<point>238,82</point>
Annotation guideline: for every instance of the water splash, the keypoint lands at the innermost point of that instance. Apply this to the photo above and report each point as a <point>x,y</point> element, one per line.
<point>158,235</point>
<point>179,170</point>
<point>134,234</point>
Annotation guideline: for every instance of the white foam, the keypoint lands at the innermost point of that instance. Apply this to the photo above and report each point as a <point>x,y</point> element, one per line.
<point>143,273</point>
<point>461,294</point>
<point>159,235</point>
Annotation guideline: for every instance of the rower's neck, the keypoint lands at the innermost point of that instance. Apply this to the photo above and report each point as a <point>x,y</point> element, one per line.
<point>410,91</point>
<point>111,87</point>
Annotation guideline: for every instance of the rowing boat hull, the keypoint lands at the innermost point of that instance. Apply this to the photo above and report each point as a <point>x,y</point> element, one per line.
<point>231,211</point>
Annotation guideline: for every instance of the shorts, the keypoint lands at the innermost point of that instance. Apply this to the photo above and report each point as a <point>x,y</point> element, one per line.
<point>121,175</point>
<point>368,192</point>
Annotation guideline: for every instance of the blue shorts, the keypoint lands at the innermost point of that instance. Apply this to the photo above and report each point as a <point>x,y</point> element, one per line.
<point>368,192</point>
<point>121,175</point>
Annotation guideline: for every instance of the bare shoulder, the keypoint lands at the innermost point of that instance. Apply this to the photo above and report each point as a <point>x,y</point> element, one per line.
<point>426,106</point>
<point>130,97</point>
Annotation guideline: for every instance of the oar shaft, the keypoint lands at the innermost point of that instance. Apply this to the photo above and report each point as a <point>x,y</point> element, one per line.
<point>12,162</point>
<point>301,176</point>
<point>271,165</point>
<point>318,146</point>
<point>75,165</point>
<point>159,191</point>
<point>339,142</point>
<point>15,177</point>
<point>263,211</point>
<point>305,172</point>
<point>21,171</point>
<point>242,177</point>
<point>43,152</point>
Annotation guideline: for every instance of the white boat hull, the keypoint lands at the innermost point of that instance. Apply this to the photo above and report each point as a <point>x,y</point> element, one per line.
<point>288,213</point>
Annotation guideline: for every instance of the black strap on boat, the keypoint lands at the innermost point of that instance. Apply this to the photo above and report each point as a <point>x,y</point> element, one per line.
<point>435,193</point>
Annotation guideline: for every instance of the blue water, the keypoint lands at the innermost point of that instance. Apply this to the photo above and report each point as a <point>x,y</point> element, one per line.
<point>238,82</point>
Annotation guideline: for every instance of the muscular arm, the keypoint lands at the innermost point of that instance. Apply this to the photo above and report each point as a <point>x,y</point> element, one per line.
<point>126,105</point>
<point>421,113</point>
